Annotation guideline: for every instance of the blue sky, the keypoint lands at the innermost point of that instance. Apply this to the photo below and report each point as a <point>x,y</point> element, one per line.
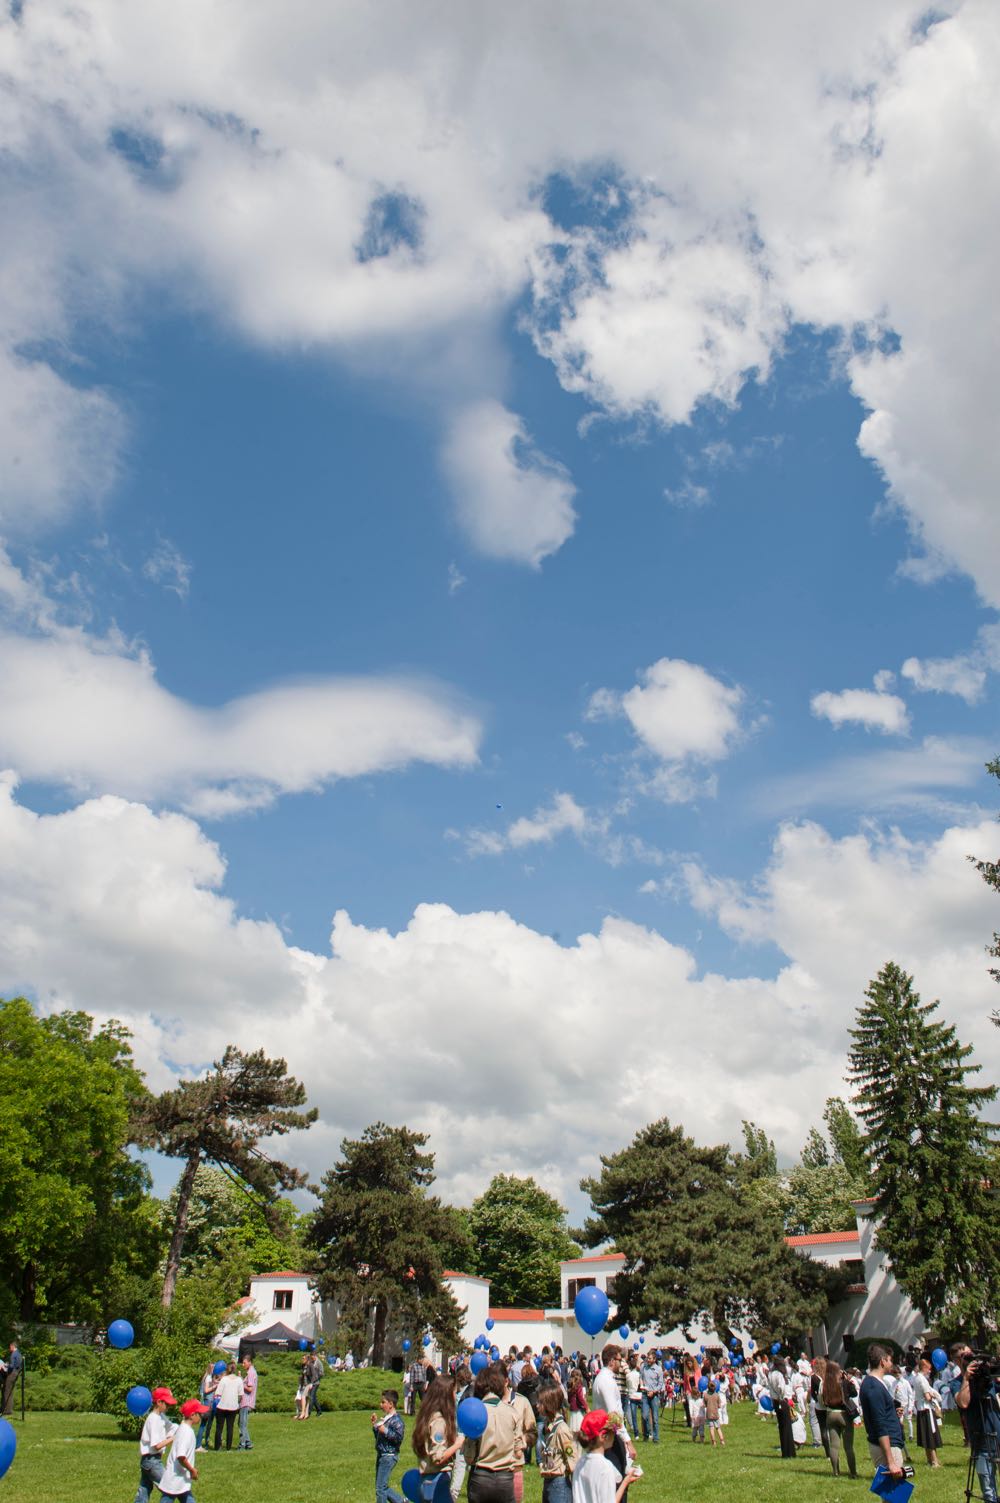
<point>570,557</point>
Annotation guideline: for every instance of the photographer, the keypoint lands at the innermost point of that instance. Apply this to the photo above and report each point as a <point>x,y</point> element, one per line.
<point>977,1399</point>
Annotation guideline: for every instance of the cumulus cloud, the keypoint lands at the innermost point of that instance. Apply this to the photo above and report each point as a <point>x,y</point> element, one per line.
<point>512,501</point>
<point>562,815</point>
<point>965,674</point>
<point>112,907</point>
<point>383,184</point>
<point>872,708</point>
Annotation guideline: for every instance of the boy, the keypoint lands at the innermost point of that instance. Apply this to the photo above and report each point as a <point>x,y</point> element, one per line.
<point>387,1429</point>
<point>157,1433</point>
<point>697,1407</point>
<point>180,1470</point>
<point>713,1415</point>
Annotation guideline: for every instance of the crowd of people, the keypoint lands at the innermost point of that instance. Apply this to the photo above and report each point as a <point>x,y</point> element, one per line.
<point>581,1420</point>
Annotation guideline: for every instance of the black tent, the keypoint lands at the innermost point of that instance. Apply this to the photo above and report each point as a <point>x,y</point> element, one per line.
<point>276,1338</point>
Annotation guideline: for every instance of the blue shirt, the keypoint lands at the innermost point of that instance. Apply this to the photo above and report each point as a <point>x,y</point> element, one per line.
<point>879,1412</point>
<point>388,1436</point>
<point>651,1378</point>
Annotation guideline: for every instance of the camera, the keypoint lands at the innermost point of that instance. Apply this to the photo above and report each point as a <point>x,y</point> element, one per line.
<point>982,1370</point>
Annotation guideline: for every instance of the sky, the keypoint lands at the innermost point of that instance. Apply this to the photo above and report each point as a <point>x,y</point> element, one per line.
<point>499,550</point>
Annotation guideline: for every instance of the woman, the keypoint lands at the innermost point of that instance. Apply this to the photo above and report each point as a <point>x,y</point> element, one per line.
<point>817,1408</point>
<point>840,1403</point>
<point>633,1395</point>
<point>595,1479</point>
<point>303,1393</point>
<point>435,1435</point>
<point>556,1448</point>
<point>206,1392</point>
<point>492,1458</point>
<point>781,1393</point>
<point>928,1407</point>
<point>228,1393</point>
<point>577,1399</point>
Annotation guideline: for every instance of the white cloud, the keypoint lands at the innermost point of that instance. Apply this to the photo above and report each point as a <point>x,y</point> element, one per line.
<point>512,502</point>
<point>688,495</point>
<point>873,709</point>
<point>914,777</point>
<point>168,567</point>
<point>121,911</point>
<point>562,815</point>
<point>456,579</point>
<point>965,674</point>
<point>678,711</point>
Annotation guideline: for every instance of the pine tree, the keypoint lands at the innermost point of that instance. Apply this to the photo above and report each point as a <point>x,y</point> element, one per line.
<point>220,1120</point>
<point>382,1241</point>
<point>929,1153</point>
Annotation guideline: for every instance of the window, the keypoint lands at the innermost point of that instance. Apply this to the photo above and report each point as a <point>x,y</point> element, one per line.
<point>574,1286</point>
<point>282,1299</point>
<point>610,1288</point>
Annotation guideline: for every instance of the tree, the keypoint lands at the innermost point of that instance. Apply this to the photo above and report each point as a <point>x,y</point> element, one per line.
<point>225,1218</point>
<point>930,1155</point>
<point>846,1142</point>
<point>520,1237</point>
<point>220,1120</point>
<point>990,873</point>
<point>382,1240</point>
<point>74,1212</point>
<point>699,1247</point>
<point>759,1160</point>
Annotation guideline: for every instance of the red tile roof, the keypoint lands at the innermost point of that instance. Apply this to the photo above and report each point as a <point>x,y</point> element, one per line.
<point>517,1314</point>
<point>597,1257</point>
<point>814,1239</point>
<point>450,1273</point>
<point>285,1273</point>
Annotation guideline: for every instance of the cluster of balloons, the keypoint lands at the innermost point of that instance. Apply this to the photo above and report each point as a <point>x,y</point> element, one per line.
<point>120,1334</point>
<point>591,1308</point>
<point>139,1400</point>
<point>8,1445</point>
<point>775,1348</point>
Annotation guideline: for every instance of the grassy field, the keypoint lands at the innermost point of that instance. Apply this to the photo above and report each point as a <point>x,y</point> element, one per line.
<point>329,1460</point>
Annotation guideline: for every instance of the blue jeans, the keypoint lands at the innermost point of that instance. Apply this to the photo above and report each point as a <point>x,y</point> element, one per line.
<point>246,1444</point>
<point>205,1428</point>
<point>986,1471</point>
<point>632,1415</point>
<point>313,1400</point>
<point>651,1416</point>
<point>556,1490</point>
<point>150,1472</point>
<point>384,1463</point>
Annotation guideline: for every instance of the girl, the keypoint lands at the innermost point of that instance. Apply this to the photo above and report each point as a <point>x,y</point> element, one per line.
<point>491,1459</point>
<point>577,1400</point>
<point>633,1395</point>
<point>556,1448</point>
<point>435,1434</point>
<point>928,1406</point>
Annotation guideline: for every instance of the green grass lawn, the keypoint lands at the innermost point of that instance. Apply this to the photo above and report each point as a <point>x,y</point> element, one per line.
<point>62,1457</point>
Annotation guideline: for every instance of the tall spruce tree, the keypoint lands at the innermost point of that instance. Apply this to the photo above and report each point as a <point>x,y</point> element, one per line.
<point>221,1120</point>
<point>697,1241</point>
<point>930,1154</point>
<point>382,1242</point>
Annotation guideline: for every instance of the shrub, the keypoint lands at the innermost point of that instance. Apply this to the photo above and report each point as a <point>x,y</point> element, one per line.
<point>165,1361</point>
<point>278,1376</point>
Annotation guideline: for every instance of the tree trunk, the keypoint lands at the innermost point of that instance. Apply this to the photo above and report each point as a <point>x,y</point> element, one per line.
<point>180,1227</point>
<point>29,1291</point>
<point>378,1335</point>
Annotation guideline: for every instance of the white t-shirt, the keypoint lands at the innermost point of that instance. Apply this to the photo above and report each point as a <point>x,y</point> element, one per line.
<point>156,1428</point>
<point>607,1395</point>
<point>633,1387</point>
<point>176,1479</point>
<point>922,1389</point>
<point>229,1391</point>
<point>595,1480</point>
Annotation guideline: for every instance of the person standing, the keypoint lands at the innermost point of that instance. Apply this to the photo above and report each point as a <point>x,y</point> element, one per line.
<point>556,1448</point>
<point>180,1471</point>
<point>928,1409</point>
<point>248,1403</point>
<point>633,1395</point>
<point>777,1387</point>
<point>840,1405</point>
<point>315,1379</point>
<point>13,1367</point>
<point>435,1435</point>
<point>157,1433</point>
<point>206,1393</point>
<point>492,1458</point>
<point>882,1426</point>
<point>577,1391</point>
<point>228,1393</point>
<point>651,1379</point>
<point>713,1413</point>
<point>595,1477</point>
<point>388,1430</point>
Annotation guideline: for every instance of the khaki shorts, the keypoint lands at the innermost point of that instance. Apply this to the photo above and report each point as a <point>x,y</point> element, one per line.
<point>878,1456</point>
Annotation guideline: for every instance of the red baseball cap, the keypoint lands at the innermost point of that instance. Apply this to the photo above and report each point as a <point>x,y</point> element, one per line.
<point>163,1396</point>
<point>595,1423</point>
<point>191,1407</point>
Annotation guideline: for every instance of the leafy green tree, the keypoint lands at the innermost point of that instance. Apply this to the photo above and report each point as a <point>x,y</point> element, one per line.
<point>221,1120</point>
<point>699,1246</point>
<point>846,1142</point>
<point>383,1242</point>
<point>819,1198</point>
<point>520,1237</point>
<point>759,1160</point>
<point>930,1154</point>
<point>815,1154</point>
<point>74,1213</point>
<point>225,1219</point>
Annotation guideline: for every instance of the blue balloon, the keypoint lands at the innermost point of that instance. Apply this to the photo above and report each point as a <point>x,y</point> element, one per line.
<point>766,1402</point>
<point>538,1364</point>
<point>471,1417</point>
<point>939,1357</point>
<point>303,1344</point>
<point>702,1385</point>
<point>749,1346</point>
<point>427,1341</point>
<point>322,1341</point>
<point>8,1445</point>
<point>642,1341</point>
<point>490,1322</point>
<point>220,1368</point>
<point>120,1334</point>
<point>406,1346</point>
<point>495,1353</point>
<point>775,1348</point>
<point>591,1308</point>
<point>701,1349</point>
<point>733,1343</point>
<point>623,1332</point>
<point>477,1362</point>
<point>410,1484</point>
<point>635,1346</point>
<point>138,1401</point>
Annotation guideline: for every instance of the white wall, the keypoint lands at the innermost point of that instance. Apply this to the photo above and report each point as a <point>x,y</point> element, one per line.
<point>302,1316</point>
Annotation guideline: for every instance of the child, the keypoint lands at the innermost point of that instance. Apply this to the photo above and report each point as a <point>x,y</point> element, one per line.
<point>180,1470</point>
<point>157,1433</point>
<point>556,1447</point>
<point>712,1415</point>
<point>724,1385</point>
<point>387,1429</point>
<point>595,1480</point>
<point>696,1408</point>
<point>577,1400</point>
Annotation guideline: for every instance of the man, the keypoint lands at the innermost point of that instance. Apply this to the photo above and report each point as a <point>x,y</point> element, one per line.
<point>181,1471</point>
<point>652,1383</point>
<point>157,1433</point>
<point>882,1426</point>
<point>606,1393</point>
<point>316,1378</point>
<point>12,1371</point>
<point>248,1403</point>
<point>980,1411</point>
